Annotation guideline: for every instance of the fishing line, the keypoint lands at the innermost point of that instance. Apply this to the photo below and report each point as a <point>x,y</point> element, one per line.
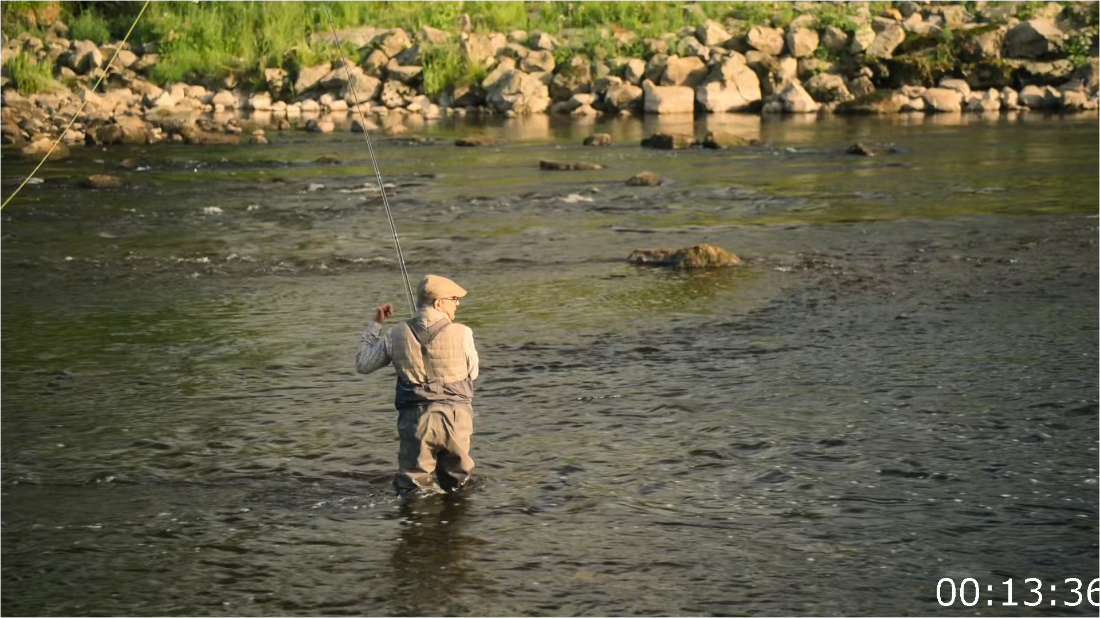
<point>374,160</point>
<point>77,114</point>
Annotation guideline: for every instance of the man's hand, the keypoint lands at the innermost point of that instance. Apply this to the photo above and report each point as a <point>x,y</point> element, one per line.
<point>382,312</point>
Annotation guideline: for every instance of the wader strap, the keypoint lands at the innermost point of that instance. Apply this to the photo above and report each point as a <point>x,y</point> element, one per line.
<point>425,336</point>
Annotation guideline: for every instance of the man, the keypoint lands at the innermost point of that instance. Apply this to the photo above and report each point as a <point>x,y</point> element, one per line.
<point>436,364</point>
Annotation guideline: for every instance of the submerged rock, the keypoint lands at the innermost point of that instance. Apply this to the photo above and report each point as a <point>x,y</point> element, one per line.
<point>568,165</point>
<point>698,256</point>
<point>598,139</point>
<point>644,179</point>
<point>102,181</point>
<point>668,141</point>
<point>870,151</point>
<point>474,141</point>
<point>39,147</point>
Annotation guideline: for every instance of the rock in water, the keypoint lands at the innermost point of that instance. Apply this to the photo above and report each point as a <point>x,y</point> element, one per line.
<point>598,139</point>
<point>102,181</point>
<point>568,165</point>
<point>644,179</point>
<point>698,256</point>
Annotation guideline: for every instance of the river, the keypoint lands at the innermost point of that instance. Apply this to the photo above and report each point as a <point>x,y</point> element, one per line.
<point>898,386</point>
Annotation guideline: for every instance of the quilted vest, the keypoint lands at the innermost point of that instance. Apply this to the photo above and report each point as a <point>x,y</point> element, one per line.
<point>430,362</point>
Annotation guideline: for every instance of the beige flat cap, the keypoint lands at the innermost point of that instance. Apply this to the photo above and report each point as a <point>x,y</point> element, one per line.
<point>433,286</point>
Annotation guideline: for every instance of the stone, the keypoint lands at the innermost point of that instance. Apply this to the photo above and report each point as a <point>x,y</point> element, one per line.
<point>719,140</point>
<point>833,39</point>
<point>598,139</point>
<point>668,99</point>
<point>309,106</point>
<point>1035,38</point>
<point>261,101</point>
<point>434,36</point>
<point>956,84</point>
<point>407,75</point>
<point>102,181</point>
<point>886,42</point>
<point>869,151</point>
<point>698,256</point>
<point>943,99</point>
<point>988,101</point>
<point>518,92</point>
<point>768,40</point>
<point>164,100</point>
<point>477,140</point>
<point>802,42</point>
<point>310,77</point>
<point>38,148</point>
<point>258,138</point>
<point>85,57</point>
<point>571,77</point>
<point>828,88</point>
<point>624,97</point>
<point>541,40</point>
<point>375,63</point>
<point>481,49</point>
<point>320,126</point>
<point>883,102</point>
<point>711,33</point>
<point>359,125</point>
<point>795,100</point>
<point>395,94</point>
<point>668,141</point>
<point>275,80</point>
<point>568,165</point>
<point>689,71</point>
<point>391,42</point>
<point>862,40</point>
<point>644,179</point>
<point>731,86</point>
<point>634,72</point>
<point>538,62</point>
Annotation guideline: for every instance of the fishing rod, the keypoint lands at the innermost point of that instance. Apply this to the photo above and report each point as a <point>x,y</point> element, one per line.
<point>106,70</point>
<point>374,160</point>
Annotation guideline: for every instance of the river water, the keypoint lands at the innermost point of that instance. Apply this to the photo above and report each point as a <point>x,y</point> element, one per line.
<point>898,386</point>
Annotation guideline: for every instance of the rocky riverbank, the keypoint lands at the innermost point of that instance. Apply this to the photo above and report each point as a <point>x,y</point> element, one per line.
<point>911,57</point>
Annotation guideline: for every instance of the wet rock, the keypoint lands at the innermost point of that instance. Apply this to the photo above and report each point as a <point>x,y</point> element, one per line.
<point>698,256</point>
<point>39,147</point>
<point>723,139</point>
<point>669,141</point>
<point>598,139</point>
<point>568,165</point>
<point>258,138</point>
<point>473,141</point>
<point>624,97</point>
<point>668,99</point>
<point>102,181</point>
<point>362,125</point>
<point>882,102</point>
<point>129,163</point>
<point>943,99</point>
<point>869,151</point>
<point>192,134</point>
<point>320,126</point>
<point>644,179</point>
<point>794,99</point>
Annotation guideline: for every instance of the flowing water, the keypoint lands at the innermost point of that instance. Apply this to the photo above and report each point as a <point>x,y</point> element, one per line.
<point>899,385</point>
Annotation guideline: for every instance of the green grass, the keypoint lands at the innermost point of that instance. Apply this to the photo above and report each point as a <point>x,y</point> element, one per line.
<point>90,26</point>
<point>445,67</point>
<point>29,76</point>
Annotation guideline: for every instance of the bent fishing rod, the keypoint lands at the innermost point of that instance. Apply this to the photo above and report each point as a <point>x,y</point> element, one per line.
<point>374,160</point>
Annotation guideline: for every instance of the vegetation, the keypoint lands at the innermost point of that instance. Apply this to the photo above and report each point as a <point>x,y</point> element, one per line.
<point>29,76</point>
<point>445,67</point>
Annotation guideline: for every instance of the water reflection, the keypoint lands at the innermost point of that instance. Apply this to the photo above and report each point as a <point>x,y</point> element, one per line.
<point>434,557</point>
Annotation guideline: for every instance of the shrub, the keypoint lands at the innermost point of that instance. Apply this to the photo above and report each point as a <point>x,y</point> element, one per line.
<point>29,76</point>
<point>90,26</point>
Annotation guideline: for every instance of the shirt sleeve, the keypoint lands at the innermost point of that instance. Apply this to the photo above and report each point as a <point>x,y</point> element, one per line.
<point>374,351</point>
<point>471,354</point>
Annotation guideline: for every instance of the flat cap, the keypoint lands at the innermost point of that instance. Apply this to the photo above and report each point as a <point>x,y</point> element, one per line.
<point>433,286</point>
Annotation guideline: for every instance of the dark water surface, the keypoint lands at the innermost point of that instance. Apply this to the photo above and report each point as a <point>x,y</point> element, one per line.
<point>899,386</point>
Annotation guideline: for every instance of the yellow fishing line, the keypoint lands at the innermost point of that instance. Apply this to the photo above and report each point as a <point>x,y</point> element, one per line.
<point>77,114</point>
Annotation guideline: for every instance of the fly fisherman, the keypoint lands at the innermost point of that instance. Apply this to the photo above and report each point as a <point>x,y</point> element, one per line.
<point>436,364</point>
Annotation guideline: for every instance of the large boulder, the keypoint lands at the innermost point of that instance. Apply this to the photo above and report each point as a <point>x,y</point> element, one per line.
<point>795,100</point>
<point>391,42</point>
<point>541,61</point>
<point>720,140</point>
<point>943,100</point>
<point>310,77</point>
<point>518,92</point>
<point>698,256</point>
<point>731,87</point>
<point>802,42</point>
<point>689,71</point>
<point>481,48</point>
<point>828,88</point>
<point>624,97</point>
<point>711,33</point>
<point>571,77</point>
<point>85,57</point>
<point>886,42</point>
<point>668,99</point>
<point>768,40</point>
<point>988,101</point>
<point>1035,38</point>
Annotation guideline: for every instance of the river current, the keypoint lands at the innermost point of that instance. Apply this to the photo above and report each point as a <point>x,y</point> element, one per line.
<point>899,385</point>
